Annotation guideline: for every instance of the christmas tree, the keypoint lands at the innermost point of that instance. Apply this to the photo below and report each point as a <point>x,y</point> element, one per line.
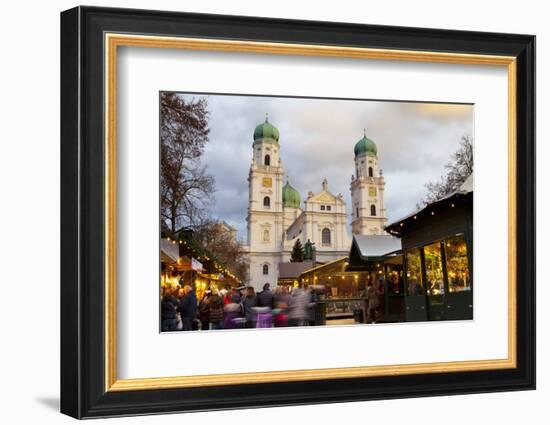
<point>297,255</point>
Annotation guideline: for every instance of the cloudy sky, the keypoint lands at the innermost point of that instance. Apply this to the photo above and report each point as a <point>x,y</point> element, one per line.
<point>317,137</point>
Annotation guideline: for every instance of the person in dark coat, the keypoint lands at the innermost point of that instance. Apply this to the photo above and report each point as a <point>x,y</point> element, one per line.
<point>265,298</point>
<point>203,311</point>
<point>168,314</point>
<point>188,308</point>
<point>215,311</point>
<point>247,303</point>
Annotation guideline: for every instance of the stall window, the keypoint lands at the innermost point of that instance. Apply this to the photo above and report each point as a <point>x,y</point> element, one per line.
<point>267,160</point>
<point>434,269</point>
<point>395,279</point>
<point>415,284</point>
<point>325,236</point>
<point>265,269</point>
<point>267,202</point>
<point>456,260</point>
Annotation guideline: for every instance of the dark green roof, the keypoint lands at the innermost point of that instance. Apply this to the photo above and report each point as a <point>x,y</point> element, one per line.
<point>266,132</point>
<point>365,146</point>
<point>291,197</point>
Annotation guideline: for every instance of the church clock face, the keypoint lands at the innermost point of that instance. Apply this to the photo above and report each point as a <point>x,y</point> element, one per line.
<point>372,191</point>
<point>266,182</point>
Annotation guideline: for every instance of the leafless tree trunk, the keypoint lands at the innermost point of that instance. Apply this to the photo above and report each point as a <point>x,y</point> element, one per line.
<point>186,187</point>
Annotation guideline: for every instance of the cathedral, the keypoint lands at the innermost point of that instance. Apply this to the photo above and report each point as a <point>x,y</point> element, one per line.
<point>277,216</point>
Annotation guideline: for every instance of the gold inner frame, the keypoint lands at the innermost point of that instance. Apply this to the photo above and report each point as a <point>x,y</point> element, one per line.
<point>113,41</point>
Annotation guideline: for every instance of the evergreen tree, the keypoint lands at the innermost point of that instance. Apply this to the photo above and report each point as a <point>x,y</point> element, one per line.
<point>297,255</point>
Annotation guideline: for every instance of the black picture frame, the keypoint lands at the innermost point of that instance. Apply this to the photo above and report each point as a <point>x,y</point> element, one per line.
<point>83,392</point>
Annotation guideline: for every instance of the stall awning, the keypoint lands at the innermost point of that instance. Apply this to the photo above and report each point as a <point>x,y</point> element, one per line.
<point>169,251</point>
<point>373,248</point>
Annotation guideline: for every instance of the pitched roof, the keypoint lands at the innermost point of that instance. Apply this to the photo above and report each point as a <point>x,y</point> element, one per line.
<point>293,270</point>
<point>375,247</point>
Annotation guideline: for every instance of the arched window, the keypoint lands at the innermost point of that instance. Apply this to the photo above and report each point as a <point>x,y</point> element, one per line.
<point>265,269</point>
<point>267,201</point>
<point>356,212</point>
<point>267,160</point>
<point>373,210</point>
<point>325,236</point>
<point>266,235</point>
<point>370,171</point>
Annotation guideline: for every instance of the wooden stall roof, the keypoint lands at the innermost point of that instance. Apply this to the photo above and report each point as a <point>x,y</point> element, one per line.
<point>464,191</point>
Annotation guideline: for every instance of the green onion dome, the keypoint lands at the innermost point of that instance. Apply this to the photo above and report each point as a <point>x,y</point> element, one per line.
<point>265,132</point>
<point>291,197</point>
<point>365,146</point>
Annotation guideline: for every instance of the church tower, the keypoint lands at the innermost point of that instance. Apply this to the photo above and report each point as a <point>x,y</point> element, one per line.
<point>367,190</point>
<point>265,206</point>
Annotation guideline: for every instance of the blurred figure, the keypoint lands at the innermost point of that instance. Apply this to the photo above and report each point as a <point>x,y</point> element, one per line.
<point>372,303</point>
<point>236,296</point>
<point>231,313</point>
<point>265,298</point>
<point>168,314</point>
<point>313,298</point>
<point>188,307</point>
<point>247,303</point>
<point>282,300</point>
<point>224,293</point>
<point>203,310</point>
<point>298,307</point>
<point>215,311</point>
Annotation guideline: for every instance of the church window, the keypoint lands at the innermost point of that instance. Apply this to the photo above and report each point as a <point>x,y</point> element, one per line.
<point>373,210</point>
<point>322,207</point>
<point>329,207</point>
<point>325,236</point>
<point>267,160</point>
<point>266,235</point>
<point>267,202</point>
<point>265,269</point>
<point>357,212</point>
<point>370,171</point>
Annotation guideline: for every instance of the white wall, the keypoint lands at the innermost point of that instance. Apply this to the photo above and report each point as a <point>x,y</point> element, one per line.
<point>29,172</point>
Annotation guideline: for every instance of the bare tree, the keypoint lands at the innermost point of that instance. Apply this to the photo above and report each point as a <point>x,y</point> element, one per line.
<point>186,188</point>
<point>457,169</point>
<point>222,243</point>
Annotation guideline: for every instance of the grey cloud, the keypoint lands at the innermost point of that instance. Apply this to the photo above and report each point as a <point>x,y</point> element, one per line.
<point>414,142</point>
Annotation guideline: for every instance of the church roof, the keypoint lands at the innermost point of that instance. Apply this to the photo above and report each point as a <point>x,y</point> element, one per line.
<point>291,197</point>
<point>365,146</point>
<point>265,132</point>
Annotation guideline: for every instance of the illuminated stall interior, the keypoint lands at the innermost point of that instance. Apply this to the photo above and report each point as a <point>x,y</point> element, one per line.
<point>185,262</point>
<point>437,244</point>
<point>380,259</point>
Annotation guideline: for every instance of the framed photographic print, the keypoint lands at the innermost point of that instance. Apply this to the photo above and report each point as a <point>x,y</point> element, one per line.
<point>261,212</point>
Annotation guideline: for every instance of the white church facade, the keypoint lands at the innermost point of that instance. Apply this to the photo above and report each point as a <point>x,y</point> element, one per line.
<point>277,216</point>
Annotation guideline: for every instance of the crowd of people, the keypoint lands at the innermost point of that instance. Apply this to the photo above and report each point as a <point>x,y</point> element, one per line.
<point>237,308</point>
